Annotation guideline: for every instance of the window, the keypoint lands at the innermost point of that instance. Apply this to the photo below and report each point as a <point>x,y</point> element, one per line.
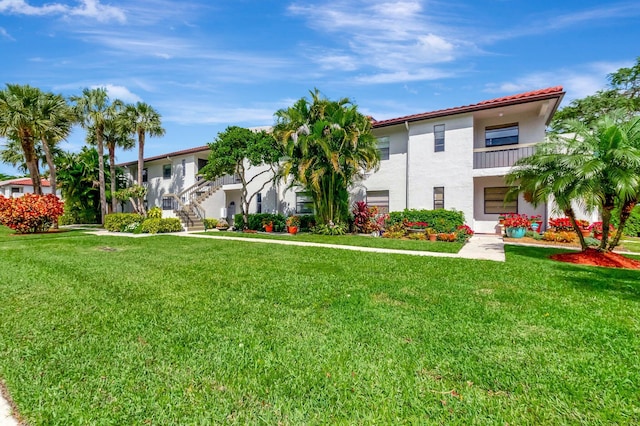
<point>494,201</point>
<point>438,197</point>
<point>166,171</point>
<point>501,135</point>
<point>259,202</point>
<point>145,175</point>
<point>184,168</point>
<point>379,199</point>
<point>304,203</point>
<point>16,190</point>
<point>167,203</point>
<point>383,148</point>
<point>438,138</point>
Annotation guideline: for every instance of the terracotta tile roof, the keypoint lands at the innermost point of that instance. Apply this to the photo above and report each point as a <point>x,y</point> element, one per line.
<point>170,154</point>
<point>25,182</point>
<point>534,95</point>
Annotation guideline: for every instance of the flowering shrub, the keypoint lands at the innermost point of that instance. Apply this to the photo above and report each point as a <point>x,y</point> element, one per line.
<point>583,224</point>
<point>30,213</point>
<point>561,224</point>
<point>463,233</point>
<point>561,237</point>
<point>293,221</point>
<point>596,227</point>
<point>514,220</point>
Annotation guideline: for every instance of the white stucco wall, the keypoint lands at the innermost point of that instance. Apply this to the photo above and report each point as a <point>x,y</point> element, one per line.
<point>391,176</point>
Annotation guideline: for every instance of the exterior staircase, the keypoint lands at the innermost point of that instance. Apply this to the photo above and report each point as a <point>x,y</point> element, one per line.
<point>188,203</point>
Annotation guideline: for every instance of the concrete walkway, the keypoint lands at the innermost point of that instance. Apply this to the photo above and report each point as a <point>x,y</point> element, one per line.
<point>480,246</point>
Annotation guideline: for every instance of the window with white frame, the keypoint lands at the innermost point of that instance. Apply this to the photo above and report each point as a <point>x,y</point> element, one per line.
<point>438,138</point>
<point>304,203</point>
<point>495,201</point>
<point>383,148</point>
<point>438,197</point>
<point>166,171</point>
<point>16,190</point>
<point>379,199</point>
<point>506,134</point>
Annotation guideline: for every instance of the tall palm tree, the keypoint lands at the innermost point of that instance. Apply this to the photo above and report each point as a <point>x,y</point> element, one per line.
<point>53,124</point>
<point>328,146</point>
<point>18,113</point>
<point>116,134</point>
<point>94,109</point>
<point>144,120</point>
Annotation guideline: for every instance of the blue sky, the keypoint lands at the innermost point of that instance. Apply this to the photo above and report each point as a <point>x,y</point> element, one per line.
<point>205,65</point>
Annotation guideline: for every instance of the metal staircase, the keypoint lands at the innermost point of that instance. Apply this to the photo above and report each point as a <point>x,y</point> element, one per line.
<point>187,205</point>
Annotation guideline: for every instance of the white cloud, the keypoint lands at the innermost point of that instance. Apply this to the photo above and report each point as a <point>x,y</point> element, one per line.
<point>578,82</point>
<point>5,34</point>
<point>206,113</point>
<point>119,92</point>
<point>87,8</point>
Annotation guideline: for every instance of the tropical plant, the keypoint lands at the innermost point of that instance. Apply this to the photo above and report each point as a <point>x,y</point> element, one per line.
<point>365,218</point>
<point>122,222</point>
<point>19,111</point>
<point>293,220</point>
<point>143,120</point>
<point>95,110</point>
<point>235,151</point>
<point>328,146</point>
<point>134,194</point>
<point>515,220</point>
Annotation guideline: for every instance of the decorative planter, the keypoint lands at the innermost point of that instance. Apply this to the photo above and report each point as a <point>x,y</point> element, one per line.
<point>433,237</point>
<point>516,232</point>
<point>292,230</point>
<point>535,226</point>
<point>585,232</point>
<point>598,235</point>
<point>268,228</point>
<point>222,228</point>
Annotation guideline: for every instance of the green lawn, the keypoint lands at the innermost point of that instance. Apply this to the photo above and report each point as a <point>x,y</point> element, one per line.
<point>351,240</point>
<point>174,330</point>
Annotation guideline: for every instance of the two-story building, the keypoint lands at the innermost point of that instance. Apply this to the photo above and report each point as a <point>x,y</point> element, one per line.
<point>454,158</point>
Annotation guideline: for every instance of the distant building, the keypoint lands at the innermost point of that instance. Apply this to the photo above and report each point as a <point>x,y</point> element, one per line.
<point>20,186</point>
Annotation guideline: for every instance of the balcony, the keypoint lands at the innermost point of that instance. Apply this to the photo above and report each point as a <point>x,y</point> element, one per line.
<point>486,158</point>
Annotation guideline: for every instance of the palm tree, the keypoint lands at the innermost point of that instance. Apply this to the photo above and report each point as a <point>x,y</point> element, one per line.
<point>94,109</point>
<point>597,165</point>
<point>53,124</point>
<point>328,145</point>
<point>144,119</point>
<point>116,134</point>
<point>18,113</point>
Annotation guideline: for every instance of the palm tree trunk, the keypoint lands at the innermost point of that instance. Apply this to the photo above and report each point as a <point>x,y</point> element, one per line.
<point>32,162</point>
<point>52,171</point>
<point>101,181</point>
<point>140,155</point>
<point>625,213</point>
<point>572,216</point>
<point>112,172</point>
<point>606,221</point>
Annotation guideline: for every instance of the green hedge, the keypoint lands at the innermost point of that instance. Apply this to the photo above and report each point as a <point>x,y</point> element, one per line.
<point>118,222</point>
<point>210,223</point>
<point>256,219</point>
<point>440,220</point>
<point>632,227</point>
<point>159,226</point>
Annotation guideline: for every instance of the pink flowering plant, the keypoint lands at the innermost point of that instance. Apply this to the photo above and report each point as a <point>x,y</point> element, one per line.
<point>514,220</point>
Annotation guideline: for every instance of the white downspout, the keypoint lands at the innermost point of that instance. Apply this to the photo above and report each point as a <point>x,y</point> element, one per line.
<point>406,201</point>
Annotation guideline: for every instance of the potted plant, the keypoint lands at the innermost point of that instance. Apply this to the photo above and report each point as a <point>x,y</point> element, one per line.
<point>293,222</point>
<point>536,221</point>
<point>267,224</point>
<point>585,229</point>
<point>432,234</point>
<point>222,224</point>
<point>501,218</point>
<point>516,225</point>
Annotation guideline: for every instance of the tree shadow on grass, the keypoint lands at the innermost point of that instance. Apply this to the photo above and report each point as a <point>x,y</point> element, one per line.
<point>617,282</point>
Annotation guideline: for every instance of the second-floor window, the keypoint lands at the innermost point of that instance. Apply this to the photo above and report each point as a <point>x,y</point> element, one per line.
<point>383,148</point>
<point>166,171</point>
<point>145,175</point>
<point>438,138</point>
<point>506,134</point>
<point>259,202</point>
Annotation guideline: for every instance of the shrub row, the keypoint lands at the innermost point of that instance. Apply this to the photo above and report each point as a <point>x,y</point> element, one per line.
<point>256,220</point>
<point>441,220</point>
<point>30,213</point>
<point>133,222</point>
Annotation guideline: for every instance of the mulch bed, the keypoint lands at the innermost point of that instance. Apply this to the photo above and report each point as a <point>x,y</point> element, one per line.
<point>596,258</point>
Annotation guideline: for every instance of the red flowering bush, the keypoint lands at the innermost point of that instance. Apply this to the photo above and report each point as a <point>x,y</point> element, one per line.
<point>416,225</point>
<point>561,224</point>
<point>596,227</point>
<point>30,213</point>
<point>365,218</point>
<point>514,220</point>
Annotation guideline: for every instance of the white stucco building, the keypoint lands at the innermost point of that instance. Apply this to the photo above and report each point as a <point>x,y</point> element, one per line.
<point>20,186</point>
<point>454,158</point>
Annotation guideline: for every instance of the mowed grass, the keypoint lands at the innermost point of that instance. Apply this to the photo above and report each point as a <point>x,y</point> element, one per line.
<point>174,330</point>
<point>350,240</point>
